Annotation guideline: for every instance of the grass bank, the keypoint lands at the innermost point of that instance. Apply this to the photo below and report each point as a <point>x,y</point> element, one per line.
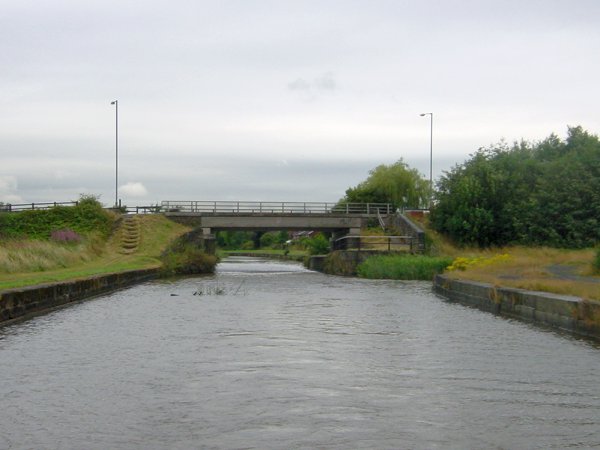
<point>102,257</point>
<point>560,271</point>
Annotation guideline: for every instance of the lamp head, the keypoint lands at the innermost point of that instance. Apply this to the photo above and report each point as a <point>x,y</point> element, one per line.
<point>113,103</point>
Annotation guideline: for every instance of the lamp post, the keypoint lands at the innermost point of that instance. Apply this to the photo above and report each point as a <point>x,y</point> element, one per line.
<point>430,114</point>
<point>116,103</point>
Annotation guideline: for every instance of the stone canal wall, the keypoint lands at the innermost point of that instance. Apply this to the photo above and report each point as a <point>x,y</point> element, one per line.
<point>22,302</point>
<point>559,311</point>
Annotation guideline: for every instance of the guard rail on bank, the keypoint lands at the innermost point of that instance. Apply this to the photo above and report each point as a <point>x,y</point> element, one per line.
<point>20,207</point>
<point>381,243</point>
<point>8,207</point>
<point>246,207</point>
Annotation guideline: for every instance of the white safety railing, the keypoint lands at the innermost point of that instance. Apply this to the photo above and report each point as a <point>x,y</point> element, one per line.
<point>246,207</point>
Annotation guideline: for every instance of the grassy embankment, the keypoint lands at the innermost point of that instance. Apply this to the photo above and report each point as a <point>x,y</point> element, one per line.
<point>560,271</point>
<point>25,262</point>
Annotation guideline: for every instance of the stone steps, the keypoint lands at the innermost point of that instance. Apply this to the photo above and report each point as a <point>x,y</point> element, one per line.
<point>130,235</point>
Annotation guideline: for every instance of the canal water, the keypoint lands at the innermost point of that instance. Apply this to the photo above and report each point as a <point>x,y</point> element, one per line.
<point>267,355</point>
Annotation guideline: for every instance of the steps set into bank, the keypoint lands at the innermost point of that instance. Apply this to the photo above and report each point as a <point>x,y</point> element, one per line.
<point>130,235</point>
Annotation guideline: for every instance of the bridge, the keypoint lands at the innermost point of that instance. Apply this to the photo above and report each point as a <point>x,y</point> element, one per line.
<point>213,216</point>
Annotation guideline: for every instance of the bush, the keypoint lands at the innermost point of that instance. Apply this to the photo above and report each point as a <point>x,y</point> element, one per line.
<point>317,245</point>
<point>403,267</point>
<point>65,236</point>
<point>188,261</point>
<point>248,245</point>
<point>185,257</point>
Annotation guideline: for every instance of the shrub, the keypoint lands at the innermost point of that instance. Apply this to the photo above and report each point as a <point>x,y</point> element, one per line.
<point>248,245</point>
<point>185,257</point>
<point>65,236</point>
<point>188,261</point>
<point>463,263</point>
<point>317,245</point>
<point>402,267</point>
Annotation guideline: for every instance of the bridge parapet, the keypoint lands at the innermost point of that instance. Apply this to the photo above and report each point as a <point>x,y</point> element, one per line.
<point>252,208</point>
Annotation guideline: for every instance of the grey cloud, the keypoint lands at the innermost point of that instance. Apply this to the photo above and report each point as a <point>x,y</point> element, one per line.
<point>322,83</point>
<point>325,83</point>
<point>299,85</point>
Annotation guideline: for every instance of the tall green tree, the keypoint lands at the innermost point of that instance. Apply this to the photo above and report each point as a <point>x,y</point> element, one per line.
<point>396,183</point>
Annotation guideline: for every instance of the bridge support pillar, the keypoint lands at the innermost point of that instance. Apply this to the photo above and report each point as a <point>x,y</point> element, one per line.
<point>209,241</point>
<point>210,244</point>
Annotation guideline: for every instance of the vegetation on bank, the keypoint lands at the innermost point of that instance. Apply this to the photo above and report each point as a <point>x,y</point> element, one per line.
<point>183,256</point>
<point>561,271</point>
<point>547,269</point>
<point>87,218</point>
<point>38,256</point>
<point>526,215</point>
<point>403,267</point>
<point>26,261</point>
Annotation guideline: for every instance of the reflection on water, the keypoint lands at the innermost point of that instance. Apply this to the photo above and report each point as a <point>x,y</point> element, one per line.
<point>271,355</point>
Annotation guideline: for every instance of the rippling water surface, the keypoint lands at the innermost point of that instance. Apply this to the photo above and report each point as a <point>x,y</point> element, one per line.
<point>268,355</point>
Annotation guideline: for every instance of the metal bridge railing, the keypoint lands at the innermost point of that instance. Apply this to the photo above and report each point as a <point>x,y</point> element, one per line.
<point>246,207</point>
<point>230,207</point>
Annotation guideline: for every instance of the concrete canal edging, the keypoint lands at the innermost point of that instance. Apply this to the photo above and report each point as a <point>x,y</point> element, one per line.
<point>563,312</point>
<point>20,303</point>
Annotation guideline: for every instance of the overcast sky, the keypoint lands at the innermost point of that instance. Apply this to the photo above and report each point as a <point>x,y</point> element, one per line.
<point>277,100</point>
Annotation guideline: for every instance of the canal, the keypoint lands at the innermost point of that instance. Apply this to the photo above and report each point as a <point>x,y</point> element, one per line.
<point>268,355</point>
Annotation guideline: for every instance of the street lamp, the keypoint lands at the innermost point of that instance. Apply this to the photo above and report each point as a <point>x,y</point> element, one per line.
<point>430,154</point>
<point>116,103</point>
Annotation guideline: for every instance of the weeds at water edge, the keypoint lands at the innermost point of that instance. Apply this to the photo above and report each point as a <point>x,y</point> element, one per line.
<point>217,289</point>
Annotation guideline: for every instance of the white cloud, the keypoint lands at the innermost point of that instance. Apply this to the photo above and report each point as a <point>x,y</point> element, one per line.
<point>133,189</point>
